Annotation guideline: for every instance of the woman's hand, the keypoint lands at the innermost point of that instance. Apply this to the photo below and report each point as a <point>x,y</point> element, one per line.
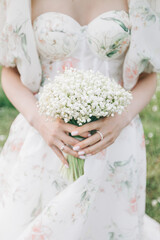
<point>56,134</point>
<point>110,127</point>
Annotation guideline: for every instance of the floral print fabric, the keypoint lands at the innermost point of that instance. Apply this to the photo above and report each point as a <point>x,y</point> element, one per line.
<point>58,35</point>
<point>17,43</point>
<point>144,51</point>
<point>36,203</point>
<point>108,201</point>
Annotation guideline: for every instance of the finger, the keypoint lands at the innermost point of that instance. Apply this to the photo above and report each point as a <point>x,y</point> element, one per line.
<point>87,142</point>
<point>71,140</point>
<point>66,149</point>
<point>60,155</point>
<point>85,135</point>
<point>68,140</point>
<point>67,127</point>
<point>97,147</point>
<point>86,128</point>
<point>94,148</point>
<point>72,128</point>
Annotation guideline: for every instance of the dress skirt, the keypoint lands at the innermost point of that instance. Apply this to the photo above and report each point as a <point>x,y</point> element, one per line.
<point>106,203</point>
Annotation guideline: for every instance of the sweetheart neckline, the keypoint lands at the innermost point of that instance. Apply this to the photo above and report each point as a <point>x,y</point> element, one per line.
<point>66,15</point>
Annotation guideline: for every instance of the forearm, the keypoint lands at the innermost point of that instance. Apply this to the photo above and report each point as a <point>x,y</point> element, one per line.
<point>54,133</point>
<point>19,95</point>
<point>142,94</point>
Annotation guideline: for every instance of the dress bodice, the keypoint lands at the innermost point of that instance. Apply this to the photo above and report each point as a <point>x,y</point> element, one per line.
<point>119,44</point>
<point>101,45</point>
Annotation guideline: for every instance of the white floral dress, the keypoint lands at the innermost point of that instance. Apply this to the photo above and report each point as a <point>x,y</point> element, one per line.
<point>108,201</point>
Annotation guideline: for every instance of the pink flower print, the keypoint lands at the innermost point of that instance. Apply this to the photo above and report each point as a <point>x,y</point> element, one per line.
<point>71,62</point>
<point>41,40</point>
<point>101,190</point>
<point>10,28</point>
<point>39,232</point>
<point>143,142</point>
<point>133,205</point>
<point>16,147</point>
<point>131,72</point>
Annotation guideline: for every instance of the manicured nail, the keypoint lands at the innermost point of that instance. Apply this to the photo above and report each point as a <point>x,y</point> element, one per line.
<point>81,153</point>
<point>76,148</point>
<point>74,133</point>
<point>88,155</point>
<point>82,157</point>
<point>66,165</point>
<point>89,135</point>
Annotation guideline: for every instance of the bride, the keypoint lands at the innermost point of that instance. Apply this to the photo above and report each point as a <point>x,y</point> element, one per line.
<point>38,38</point>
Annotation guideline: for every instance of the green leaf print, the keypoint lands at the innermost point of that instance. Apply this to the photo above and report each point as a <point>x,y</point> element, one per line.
<point>151,18</point>
<point>83,195</point>
<point>103,47</point>
<point>59,185</point>
<point>117,42</point>
<point>24,46</point>
<point>56,185</point>
<point>23,39</point>
<point>121,163</point>
<point>18,29</point>
<point>117,164</point>
<point>111,235</point>
<point>110,54</point>
<point>121,24</point>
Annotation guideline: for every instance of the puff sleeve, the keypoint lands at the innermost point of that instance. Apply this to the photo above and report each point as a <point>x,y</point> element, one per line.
<point>144,52</point>
<point>17,42</point>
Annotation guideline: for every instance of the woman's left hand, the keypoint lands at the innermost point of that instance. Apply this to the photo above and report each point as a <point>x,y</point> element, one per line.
<point>110,127</point>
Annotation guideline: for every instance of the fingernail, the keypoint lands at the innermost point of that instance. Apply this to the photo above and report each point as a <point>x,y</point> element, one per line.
<point>89,135</point>
<point>82,157</point>
<point>88,155</point>
<point>66,165</point>
<point>81,153</point>
<point>76,148</point>
<point>74,133</point>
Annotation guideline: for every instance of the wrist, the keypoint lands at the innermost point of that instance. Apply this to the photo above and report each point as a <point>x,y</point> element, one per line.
<point>126,118</point>
<point>34,118</point>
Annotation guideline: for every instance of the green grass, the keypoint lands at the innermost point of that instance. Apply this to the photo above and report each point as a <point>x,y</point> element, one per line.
<point>151,123</point>
<point>6,118</point>
<point>4,102</point>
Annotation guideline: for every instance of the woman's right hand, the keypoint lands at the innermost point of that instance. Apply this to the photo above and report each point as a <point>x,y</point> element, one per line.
<point>56,134</point>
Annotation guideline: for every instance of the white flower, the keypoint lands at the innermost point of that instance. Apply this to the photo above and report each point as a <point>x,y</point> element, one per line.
<point>80,95</point>
<point>150,135</point>
<point>2,138</point>
<point>154,202</point>
<point>155,108</point>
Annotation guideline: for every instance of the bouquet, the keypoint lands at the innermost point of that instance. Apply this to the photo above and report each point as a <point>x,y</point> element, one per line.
<point>79,97</point>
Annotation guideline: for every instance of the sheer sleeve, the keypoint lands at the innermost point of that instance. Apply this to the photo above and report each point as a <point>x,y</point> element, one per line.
<point>17,42</point>
<point>6,49</point>
<point>144,52</point>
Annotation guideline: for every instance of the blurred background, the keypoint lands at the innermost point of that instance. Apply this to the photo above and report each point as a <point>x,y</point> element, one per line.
<point>151,122</point>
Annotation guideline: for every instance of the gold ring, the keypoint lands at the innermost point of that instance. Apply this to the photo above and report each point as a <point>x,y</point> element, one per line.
<point>101,135</point>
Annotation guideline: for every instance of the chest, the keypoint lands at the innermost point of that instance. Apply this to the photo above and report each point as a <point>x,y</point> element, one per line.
<point>58,35</point>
